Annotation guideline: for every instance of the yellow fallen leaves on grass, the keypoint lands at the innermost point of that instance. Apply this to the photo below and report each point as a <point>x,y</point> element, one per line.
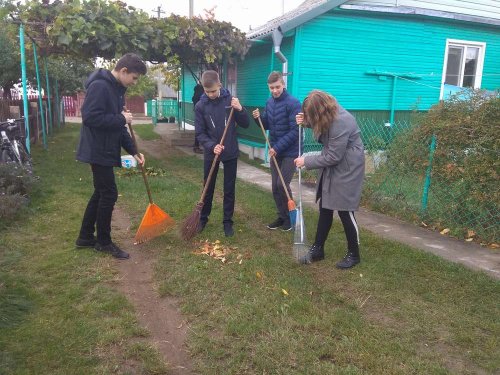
<point>217,251</point>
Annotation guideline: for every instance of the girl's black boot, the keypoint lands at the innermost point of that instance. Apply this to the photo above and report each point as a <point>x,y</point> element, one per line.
<point>350,260</point>
<point>315,253</point>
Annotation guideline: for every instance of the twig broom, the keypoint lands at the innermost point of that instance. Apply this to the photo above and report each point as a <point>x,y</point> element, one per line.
<point>191,223</point>
<point>155,221</point>
<point>292,209</point>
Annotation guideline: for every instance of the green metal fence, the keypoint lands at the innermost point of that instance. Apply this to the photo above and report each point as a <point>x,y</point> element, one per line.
<point>163,110</point>
<point>427,181</point>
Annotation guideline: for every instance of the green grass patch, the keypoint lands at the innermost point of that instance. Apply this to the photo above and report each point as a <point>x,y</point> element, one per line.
<point>401,311</point>
<point>59,311</point>
<point>146,132</point>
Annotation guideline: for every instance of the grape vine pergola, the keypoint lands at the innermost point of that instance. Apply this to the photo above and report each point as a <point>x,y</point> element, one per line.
<point>88,29</point>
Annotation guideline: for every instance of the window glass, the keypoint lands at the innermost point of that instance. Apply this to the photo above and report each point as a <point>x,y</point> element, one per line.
<point>471,58</point>
<point>454,66</point>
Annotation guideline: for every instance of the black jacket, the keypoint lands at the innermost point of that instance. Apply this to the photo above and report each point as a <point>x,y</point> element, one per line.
<point>103,132</point>
<point>210,119</point>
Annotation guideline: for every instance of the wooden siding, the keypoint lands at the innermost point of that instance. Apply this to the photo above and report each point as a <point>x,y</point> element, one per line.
<point>480,8</point>
<point>338,48</point>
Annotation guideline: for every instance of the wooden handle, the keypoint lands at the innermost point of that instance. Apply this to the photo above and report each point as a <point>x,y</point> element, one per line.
<point>274,159</point>
<point>142,166</point>
<point>214,162</point>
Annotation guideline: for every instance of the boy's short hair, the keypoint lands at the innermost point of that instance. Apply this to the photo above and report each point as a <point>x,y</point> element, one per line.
<point>275,77</point>
<point>210,78</point>
<point>133,63</point>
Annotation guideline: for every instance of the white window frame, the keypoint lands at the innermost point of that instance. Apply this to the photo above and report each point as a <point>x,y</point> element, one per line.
<point>233,87</point>
<point>480,61</point>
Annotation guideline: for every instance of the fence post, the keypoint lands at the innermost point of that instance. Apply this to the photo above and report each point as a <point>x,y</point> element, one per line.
<point>49,106</point>
<point>427,183</point>
<point>25,85</point>
<point>40,99</point>
<point>154,112</point>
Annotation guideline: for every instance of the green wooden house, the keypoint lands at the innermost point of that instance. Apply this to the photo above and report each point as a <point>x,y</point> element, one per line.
<point>382,59</point>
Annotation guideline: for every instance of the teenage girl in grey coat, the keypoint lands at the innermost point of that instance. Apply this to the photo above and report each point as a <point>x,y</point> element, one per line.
<point>341,170</point>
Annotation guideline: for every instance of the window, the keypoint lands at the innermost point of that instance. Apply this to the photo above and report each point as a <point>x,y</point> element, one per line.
<point>231,78</point>
<point>463,63</point>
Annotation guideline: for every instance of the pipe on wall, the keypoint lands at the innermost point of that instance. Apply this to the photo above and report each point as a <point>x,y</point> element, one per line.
<point>277,38</point>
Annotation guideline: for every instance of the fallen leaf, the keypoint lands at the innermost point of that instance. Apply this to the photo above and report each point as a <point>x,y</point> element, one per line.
<point>258,274</point>
<point>494,246</point>
<point>470,233</point>
<point>360,275</point>
<point>241,261</point>
<point>469,239</point>
<point>284,292</point>
<point>444,231</point>
<point>423,224</point>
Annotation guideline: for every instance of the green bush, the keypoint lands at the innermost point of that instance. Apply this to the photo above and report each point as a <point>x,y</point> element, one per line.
<point>15,186</point>
<point>463,194</point>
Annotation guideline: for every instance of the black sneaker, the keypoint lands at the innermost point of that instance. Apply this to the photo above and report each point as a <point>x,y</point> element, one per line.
<point>286,227</point>
<point>228,230</point>
<point>112,249</point>
<point>276,224</point>
<point>85,242</point>
<point>349,261</point>
<point>197,150</point>
<point>201,226</point>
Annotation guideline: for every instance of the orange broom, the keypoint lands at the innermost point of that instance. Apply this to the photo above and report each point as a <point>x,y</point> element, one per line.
<point>155,221</point>
<point>192,222</point>
<point>292,209</point>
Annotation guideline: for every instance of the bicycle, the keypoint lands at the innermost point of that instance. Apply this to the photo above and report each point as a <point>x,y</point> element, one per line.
<point>13,145</point>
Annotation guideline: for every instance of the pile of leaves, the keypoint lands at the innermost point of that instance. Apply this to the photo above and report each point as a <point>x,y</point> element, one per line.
<point>150,171</point>
<point>218,251</point>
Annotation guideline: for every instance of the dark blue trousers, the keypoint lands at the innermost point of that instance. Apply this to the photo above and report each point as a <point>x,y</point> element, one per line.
<point>230,169</point>
<point>97,216</point>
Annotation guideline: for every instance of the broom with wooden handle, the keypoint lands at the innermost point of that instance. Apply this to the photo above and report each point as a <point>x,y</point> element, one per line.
<point>292,209</point>
<point>192,222</point>
<point>155,221</point>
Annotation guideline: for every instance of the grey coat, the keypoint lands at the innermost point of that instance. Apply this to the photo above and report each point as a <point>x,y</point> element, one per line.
<point>341,164</point>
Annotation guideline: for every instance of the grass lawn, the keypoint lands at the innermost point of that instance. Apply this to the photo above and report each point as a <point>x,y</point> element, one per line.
<point>400,311</point>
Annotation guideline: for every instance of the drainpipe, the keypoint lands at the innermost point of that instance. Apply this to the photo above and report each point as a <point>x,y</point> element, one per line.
<point>277,38</point>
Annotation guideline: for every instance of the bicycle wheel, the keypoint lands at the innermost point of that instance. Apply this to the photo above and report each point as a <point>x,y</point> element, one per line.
<point>5,157</point>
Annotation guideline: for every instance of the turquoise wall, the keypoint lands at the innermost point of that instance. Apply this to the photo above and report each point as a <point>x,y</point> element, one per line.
<point>254,70</point>
<point>338,48</point>
<point>188,83</point>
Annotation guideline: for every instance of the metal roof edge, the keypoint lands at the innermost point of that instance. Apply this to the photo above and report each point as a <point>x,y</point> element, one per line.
<point>423,12</point>
<point>299,20</point>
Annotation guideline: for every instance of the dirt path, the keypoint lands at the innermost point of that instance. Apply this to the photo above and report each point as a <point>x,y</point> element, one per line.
<point>159,315</point>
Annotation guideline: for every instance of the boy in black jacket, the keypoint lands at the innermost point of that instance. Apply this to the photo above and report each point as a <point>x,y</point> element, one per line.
<point>103,134</point>
<point>211,114</point>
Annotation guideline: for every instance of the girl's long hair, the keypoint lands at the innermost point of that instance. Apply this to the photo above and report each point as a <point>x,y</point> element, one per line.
<point>320,109</point>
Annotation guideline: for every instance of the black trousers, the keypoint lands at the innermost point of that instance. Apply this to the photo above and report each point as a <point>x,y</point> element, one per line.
<point>230,169</point>
<point>348,222</point>
<point>97,216</point>
<point>287,168</point>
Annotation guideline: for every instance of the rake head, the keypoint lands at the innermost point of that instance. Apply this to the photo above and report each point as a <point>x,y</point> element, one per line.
<point>190,226</point>
<point>154,223</point>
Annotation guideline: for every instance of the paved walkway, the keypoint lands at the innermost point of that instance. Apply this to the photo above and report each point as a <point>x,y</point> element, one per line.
<point>467,253</point>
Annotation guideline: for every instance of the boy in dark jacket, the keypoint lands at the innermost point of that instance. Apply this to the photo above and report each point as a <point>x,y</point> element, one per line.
<point>211,114</point>
<point>279,119</point>
<point>103,134</point>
